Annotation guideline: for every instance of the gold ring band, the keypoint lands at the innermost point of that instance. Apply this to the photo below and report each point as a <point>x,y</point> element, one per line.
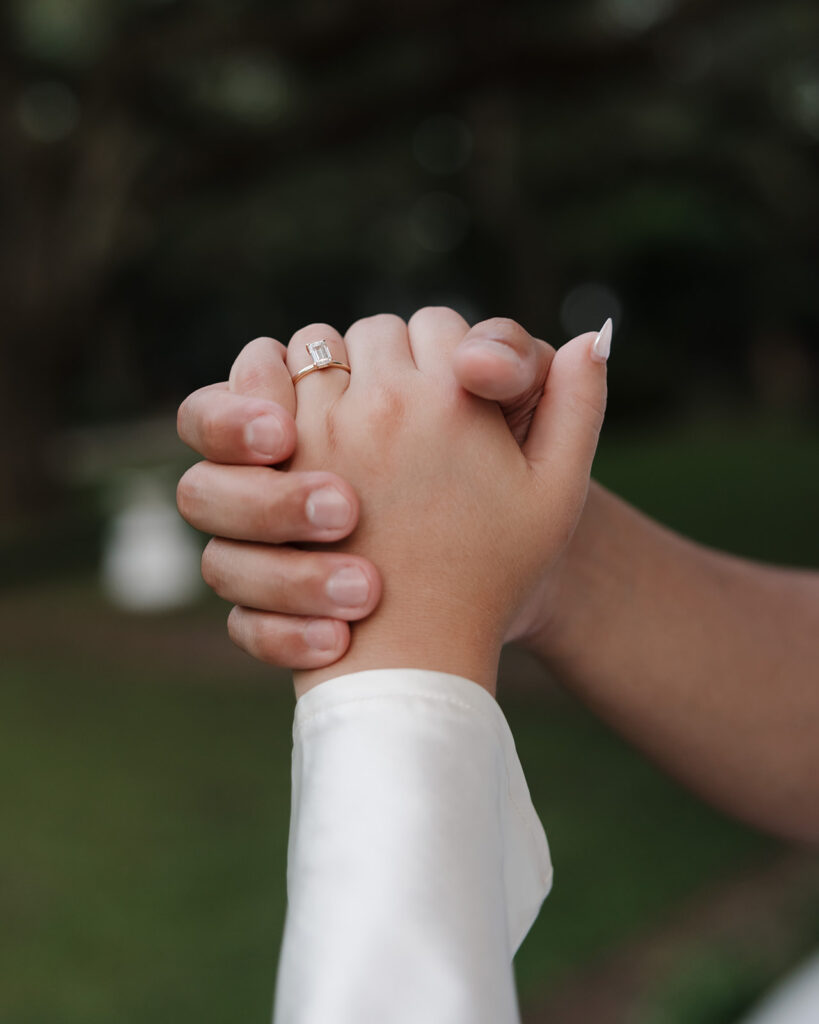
<point>324,366</point>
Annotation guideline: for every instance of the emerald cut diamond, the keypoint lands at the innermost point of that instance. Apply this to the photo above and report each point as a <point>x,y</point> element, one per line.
<point>320,353</point>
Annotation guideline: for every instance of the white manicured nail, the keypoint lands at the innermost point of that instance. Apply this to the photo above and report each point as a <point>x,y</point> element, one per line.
<point>601,347</point>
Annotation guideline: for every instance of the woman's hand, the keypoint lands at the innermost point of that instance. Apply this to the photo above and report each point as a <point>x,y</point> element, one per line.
<point>462,522</point>
<point>302,601</point>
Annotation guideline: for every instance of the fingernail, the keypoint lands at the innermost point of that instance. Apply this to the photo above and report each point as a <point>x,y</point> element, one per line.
<point>320,635</point>
<point>348,587</point>
<point>328,508</point>
<point>265,435</point>
<point>601,347</point>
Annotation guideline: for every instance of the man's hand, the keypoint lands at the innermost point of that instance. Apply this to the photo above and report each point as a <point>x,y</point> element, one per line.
<point>293,606</point>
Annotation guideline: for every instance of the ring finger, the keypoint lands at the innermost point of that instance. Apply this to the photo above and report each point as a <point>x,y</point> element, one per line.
<point>326,384</point>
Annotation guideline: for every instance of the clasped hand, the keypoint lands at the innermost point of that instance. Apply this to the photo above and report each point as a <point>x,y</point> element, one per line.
<point>446,512</point>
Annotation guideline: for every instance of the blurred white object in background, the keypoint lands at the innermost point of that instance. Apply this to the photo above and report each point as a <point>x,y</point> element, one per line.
<point>794,1001</point>
<point>151,559</point>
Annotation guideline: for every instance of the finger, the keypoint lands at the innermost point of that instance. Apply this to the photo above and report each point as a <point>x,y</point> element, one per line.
<point>378,347</point>
<point>321,385</point>
<point>288,640</point>
<point>501,361</point>
<point>434,334</point>
<point>226,427</point>
<point>258,503</point>
<point>260,371</point>
<point>292,582</point>
<point>566,426</point>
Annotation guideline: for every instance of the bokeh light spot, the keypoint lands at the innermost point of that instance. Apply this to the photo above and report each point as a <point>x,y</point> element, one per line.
<point>636,15</point>
<point>248,87</point>
<point>68,31</point>
<point>800,96</point>
<point>48,111</point>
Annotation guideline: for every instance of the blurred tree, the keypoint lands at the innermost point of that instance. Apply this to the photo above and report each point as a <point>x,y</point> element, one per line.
<point>178,176</point>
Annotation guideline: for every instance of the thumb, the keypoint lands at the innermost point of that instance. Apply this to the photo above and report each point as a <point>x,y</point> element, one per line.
<point>566,426</point>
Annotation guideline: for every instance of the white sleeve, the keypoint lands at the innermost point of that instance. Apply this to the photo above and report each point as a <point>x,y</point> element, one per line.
<point>416,862</point>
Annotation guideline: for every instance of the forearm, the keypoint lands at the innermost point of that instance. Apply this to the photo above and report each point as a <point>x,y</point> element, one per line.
<point>709,663</point>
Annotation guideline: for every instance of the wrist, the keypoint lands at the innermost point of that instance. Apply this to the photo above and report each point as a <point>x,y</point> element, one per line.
<point>394,638</point>
<point>560,613</point>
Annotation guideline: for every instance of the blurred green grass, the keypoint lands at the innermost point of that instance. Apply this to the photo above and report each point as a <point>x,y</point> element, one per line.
<point>145,799</point>
<point>750,486</point>
<point>627,843</point>
<point>143,848</point>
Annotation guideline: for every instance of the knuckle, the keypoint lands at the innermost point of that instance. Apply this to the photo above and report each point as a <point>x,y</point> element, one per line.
<point>250,370</point>
<point>257,635</point>
<point>182,419</point>
<point>506,329</point>
<point>280,511</point>
<point>248,378</point>
<point>212,431</point>
<point>587,407</point>
<point>235,628</point>
<point>268,642</point>
<point>431,313</point>
<point>265,522</point>
<point>390,320</point>
<point>504,323</point>
<point>258,350</point>
<point>385,412</point>
<point>211,566</point>
<point>308,577</point>
<point>187,494</point>
<point>380,322</point>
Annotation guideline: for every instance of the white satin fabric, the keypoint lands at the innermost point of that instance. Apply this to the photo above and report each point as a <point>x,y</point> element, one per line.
<point>416,862</point>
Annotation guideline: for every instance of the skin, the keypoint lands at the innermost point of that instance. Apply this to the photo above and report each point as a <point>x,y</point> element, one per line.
<point>284,614</point>
<point>435,467</point>
<point>706,662</point>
